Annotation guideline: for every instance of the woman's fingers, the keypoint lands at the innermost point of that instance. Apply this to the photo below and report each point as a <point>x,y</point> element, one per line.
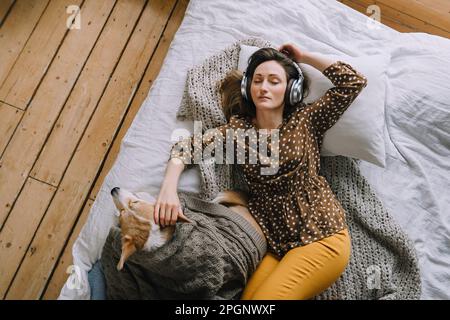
<point>166,214</point>
<point>291,51</point>
<point>174,218</point>
<point>169,215</point>
<point>156,213</point>
<point>162,215</point>
<point>285,46</point>
<point>282,49</point>
<point>286,52</point>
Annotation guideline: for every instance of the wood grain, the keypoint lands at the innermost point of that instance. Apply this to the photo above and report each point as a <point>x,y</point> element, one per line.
<point>37,122</point>
<point>74,188</point>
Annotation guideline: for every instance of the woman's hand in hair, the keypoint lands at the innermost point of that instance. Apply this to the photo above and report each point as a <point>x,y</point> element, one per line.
<point>318,61</point>
<point>292,51</point>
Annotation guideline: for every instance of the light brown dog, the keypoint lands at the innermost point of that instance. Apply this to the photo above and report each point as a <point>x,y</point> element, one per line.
<point>140,232</point>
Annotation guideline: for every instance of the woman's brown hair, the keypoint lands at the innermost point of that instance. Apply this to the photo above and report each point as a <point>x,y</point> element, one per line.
<point>232,101</point>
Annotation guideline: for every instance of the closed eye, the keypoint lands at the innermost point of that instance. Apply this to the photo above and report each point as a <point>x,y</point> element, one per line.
<point>258,81</point>
<point>131,203</point>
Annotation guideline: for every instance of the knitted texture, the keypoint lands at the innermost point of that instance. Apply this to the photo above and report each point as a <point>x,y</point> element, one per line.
<point>211,258</point>
<point>383,263</point>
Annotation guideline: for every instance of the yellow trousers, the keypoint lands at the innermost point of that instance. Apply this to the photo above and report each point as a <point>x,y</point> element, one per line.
<point>303,272</point>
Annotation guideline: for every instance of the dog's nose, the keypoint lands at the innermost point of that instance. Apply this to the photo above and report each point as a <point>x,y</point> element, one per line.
<point>115,190</point>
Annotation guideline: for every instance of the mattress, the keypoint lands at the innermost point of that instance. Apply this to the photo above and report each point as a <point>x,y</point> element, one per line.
<point>415,182</point>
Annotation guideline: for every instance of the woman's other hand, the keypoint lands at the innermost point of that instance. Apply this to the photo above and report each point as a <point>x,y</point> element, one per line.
<point>292,51</point>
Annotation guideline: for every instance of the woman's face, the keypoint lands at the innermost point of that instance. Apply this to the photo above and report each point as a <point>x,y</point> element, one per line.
<point>268,86</point>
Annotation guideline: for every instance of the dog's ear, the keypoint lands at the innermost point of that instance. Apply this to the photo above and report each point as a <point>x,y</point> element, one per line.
<point>128,248</point>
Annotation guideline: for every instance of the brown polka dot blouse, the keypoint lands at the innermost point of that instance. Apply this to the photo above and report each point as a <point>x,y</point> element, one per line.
<point>294,205</point>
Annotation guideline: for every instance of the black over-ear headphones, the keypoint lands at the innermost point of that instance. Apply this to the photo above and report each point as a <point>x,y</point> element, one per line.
<point>294,89</point>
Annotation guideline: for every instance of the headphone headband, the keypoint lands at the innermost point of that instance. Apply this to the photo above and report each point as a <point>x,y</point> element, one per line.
<point>300,73</point>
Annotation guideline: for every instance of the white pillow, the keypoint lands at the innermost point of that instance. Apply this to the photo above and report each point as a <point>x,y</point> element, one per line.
<point>359,131</point>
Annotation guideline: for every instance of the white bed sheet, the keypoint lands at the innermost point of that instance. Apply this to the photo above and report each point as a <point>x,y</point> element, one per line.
<point>413,186</point>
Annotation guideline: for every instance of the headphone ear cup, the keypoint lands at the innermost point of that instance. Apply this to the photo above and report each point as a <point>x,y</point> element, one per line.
<point>247,90</point>
<point>287,95</point>
<point>244,87</point>
<point>299,90</point>
<point>296,92</point>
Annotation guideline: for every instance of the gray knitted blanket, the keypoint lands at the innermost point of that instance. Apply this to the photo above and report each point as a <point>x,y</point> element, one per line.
<point>383,263</point>
<point>211,258</point>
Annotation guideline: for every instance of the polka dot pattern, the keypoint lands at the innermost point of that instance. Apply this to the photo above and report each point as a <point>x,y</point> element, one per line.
<point>295,206</point>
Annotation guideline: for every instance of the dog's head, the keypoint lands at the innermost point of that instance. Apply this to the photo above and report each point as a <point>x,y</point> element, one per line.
<point>136,220</point>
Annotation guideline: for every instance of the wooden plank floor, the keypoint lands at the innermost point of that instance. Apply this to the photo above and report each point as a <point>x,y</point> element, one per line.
<point>56,86</point>
<point>429,16</point>
<point>67,98</point>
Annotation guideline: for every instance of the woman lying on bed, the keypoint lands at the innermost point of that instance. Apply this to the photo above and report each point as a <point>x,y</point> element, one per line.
<point>303,222</point>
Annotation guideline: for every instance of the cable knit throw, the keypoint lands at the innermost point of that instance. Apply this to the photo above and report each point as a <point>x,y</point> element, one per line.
<point>383,263</point>
<point>211,258</point>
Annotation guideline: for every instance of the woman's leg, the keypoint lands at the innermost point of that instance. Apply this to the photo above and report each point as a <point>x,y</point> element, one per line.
<point>307,271</point>
<point>264,269</point>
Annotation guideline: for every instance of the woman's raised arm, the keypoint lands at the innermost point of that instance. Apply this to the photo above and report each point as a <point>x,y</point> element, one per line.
<point>300,56</point>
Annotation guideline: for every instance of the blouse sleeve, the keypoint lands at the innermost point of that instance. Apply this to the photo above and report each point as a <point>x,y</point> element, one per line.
<point>348,83</point>
<point>200,147</point>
